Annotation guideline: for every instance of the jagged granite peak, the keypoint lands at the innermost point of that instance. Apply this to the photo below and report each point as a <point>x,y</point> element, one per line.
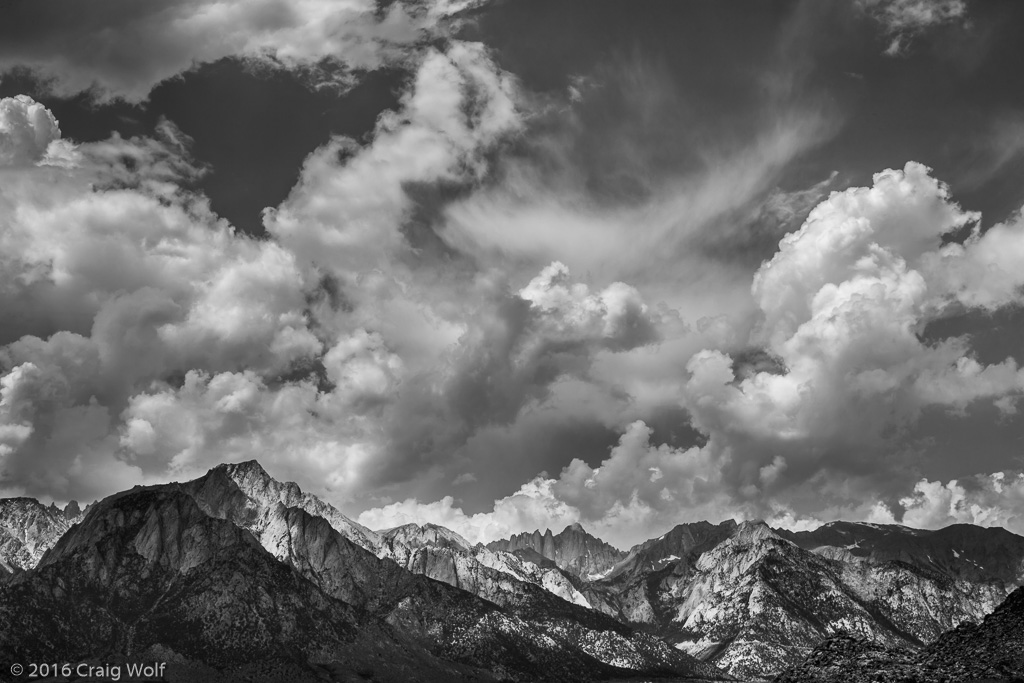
<point>72,510</point>
<point>148,575</point>
<point>573,549</point>
<point>442,554</point>
<point>960,551</point>
<point>990,651</point>
<point>28,529</point>
<point>259,486</point>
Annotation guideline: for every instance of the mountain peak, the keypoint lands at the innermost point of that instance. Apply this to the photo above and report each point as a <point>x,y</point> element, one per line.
<point>247,467</point>
<point>72,509</point>
<point>573,549</point>
<point>263,492</point>
<point>754,530</point>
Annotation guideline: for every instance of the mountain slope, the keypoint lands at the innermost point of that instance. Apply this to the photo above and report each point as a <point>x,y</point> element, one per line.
<point>755,602</point>
<point>989,651</point>
<point>28,529</point>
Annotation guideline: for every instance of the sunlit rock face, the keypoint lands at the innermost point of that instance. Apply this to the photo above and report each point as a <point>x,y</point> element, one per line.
<point>265,491</point>
<point>28,529</point>
<point>443,555</point>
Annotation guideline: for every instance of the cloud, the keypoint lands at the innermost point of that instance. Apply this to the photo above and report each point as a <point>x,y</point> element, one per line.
<point>26,130</point>
<point>637,491</point>
<point>807,423</point>
<point>843,303</point>
<point>121,49</point>
<point>295,430</point>
<point>347,216</point>
<point>903,19</point>
<point>335,351</point>
<point>616,315</point>
<point>538,218</point>
<point>988,500</point>
<point>115,276</point>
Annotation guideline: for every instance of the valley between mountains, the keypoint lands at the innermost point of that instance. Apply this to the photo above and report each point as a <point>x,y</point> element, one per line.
<point>237,576</point>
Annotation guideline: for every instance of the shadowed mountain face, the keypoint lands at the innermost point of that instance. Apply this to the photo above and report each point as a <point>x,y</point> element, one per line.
<point>961,551</point>
<point>990,651</point>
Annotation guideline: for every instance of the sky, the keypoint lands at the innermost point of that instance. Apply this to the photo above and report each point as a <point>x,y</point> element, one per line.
<point>511,264</point>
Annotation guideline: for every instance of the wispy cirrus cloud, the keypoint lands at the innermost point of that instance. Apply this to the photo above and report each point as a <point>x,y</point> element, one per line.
<point>904,19</point>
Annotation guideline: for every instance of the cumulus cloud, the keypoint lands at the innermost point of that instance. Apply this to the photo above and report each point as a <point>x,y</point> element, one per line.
<point>26,130</point>
<point>616,315</point>
<point>295,430</point>
<point>843,302</point>
<point>988,500</point>
<point>122,49</point>
<point>805,424</point>
<point>115,276</point>
<point>335,351</point>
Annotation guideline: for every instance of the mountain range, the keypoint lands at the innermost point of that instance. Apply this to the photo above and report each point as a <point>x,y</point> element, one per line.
<point>237,576</point>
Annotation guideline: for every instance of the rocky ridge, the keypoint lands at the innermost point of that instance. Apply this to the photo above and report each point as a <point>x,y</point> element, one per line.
<point>990,651</point>
<point>753,601</point>
<point>960,551</point>
<point>28,529</point>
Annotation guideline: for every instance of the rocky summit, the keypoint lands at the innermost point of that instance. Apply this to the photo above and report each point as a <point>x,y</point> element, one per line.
<point>572,549</point>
